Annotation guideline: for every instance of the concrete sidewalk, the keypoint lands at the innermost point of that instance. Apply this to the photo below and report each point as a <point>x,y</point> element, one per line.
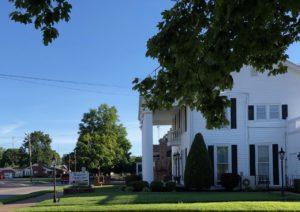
<point>27,202</point>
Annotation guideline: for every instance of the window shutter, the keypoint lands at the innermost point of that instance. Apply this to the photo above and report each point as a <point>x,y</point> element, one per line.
<point>233,113</point>
<point>211,157</point>
<point>252,159</point>
<point>185,119</point>
<point>284,109</point>
<point>234,159</point>
<point>275,164</point>
<point>250,112</point>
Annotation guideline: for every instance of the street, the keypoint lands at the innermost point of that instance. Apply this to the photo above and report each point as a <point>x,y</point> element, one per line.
<point>10,188</point>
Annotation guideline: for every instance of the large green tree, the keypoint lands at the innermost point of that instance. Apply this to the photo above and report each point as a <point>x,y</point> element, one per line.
<point>102,142</point>
<point>44,14</point>
<point>40,148</point>
<point>11,158</point>
<point>200,43</point>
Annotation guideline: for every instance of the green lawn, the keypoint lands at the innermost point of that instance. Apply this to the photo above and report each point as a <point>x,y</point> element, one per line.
<point>110,198</point>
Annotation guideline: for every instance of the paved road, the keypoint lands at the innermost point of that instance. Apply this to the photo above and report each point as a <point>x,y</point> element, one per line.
<point>12,188</point>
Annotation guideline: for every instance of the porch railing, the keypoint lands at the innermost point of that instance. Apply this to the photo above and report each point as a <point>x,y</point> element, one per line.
<point>174,137</point>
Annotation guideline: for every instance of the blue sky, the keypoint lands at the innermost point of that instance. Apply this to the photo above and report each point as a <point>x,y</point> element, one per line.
<point>104,43</point>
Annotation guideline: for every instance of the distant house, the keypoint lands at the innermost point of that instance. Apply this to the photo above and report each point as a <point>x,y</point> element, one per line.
<point>40,170</point>
<point>7,173</point>
<point>264,117</point>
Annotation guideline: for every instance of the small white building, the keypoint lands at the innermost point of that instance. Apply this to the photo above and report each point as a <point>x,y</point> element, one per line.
<point>264,116</point>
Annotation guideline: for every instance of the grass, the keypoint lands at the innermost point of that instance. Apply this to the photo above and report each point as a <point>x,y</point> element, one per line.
<point>22,197</point>
<point>218,206</point>
<point>110,198</point>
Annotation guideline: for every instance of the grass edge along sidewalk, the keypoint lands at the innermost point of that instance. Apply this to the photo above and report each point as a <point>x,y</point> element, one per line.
<point>22,197</point>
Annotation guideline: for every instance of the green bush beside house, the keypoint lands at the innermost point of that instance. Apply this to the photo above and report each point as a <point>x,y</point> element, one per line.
<point>198,170</point>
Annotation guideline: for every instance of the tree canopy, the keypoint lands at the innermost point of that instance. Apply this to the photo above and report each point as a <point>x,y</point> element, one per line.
<point>44,14</point>
<point>102,141</point>
<point>200,43</point>
<point>40,148</point>
<point>11,158</point>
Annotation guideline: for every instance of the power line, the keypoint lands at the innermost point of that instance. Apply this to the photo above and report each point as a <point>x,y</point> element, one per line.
<point>63,81</point>
<point>64,87</point>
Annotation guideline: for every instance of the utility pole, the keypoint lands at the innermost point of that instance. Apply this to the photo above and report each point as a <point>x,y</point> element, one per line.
<point>13,142</point>
<point>30,158</point>
<point>75,159</point>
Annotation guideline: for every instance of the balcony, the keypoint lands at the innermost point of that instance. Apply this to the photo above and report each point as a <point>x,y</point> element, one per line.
<point>174,137</point>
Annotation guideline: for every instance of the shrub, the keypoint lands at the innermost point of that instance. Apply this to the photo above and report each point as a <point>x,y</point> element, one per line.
<point>138,185</point>
<point>132,178</point>
<point>198,171</point>
<point>297,185</point>
<point>230,180</point>
<point>170,186</point>
<point>157,186</point>
<point>145,189</point>
<point>128,188</point>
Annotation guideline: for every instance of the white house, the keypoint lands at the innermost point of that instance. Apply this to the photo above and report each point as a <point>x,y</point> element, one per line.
<point>264,116</point>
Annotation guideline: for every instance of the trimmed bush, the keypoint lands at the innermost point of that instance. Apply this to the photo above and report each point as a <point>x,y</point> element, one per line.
<point>170,186</point>
<point>132,178</point>
<point>230,180</point>
<point>297,185</point>
<point>198,171</point>
<point>138,185</point>
<point>156,186</point>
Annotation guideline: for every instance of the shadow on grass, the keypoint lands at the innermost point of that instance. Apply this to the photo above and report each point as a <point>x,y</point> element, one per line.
<point>111,195</point>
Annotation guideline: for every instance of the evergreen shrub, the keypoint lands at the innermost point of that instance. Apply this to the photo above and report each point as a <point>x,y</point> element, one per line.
<point>170,186</point>
<point>230,180</point>
<point>198,170</point>
<point>132,178</point>
<point>156,186</point>
<point>297,185</point>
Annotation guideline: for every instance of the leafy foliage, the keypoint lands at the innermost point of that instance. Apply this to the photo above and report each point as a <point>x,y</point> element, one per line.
<point>40,148</point>
<point>170,186</point>
<point>43,13</point>
<point>201,43</point>
<point>102,141</point>
<point>198,170</point>
<point>132,177</point>
<point>230,180</point>
<point>157,186</point>
<point>138,185</point>
<point>11,158</point>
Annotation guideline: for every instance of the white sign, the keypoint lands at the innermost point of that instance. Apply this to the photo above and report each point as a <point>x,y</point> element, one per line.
<point>79,178</point>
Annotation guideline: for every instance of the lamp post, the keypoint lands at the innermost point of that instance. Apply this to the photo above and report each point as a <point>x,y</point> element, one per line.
<point>54,178</point>
<point>281,156</point>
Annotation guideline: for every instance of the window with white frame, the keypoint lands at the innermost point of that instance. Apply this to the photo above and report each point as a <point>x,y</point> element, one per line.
<point>274,112</point>
<point>267,112</point>
<point>261,112</point>
<point>263,162</point>
<point>222,161</point>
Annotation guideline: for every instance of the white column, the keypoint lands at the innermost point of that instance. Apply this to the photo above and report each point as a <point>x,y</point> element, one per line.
<point>147,146</point>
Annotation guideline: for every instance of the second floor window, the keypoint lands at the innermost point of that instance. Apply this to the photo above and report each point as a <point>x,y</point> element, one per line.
<point>261,112</point>
<point>267,112</point>
<point>274,112</point>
